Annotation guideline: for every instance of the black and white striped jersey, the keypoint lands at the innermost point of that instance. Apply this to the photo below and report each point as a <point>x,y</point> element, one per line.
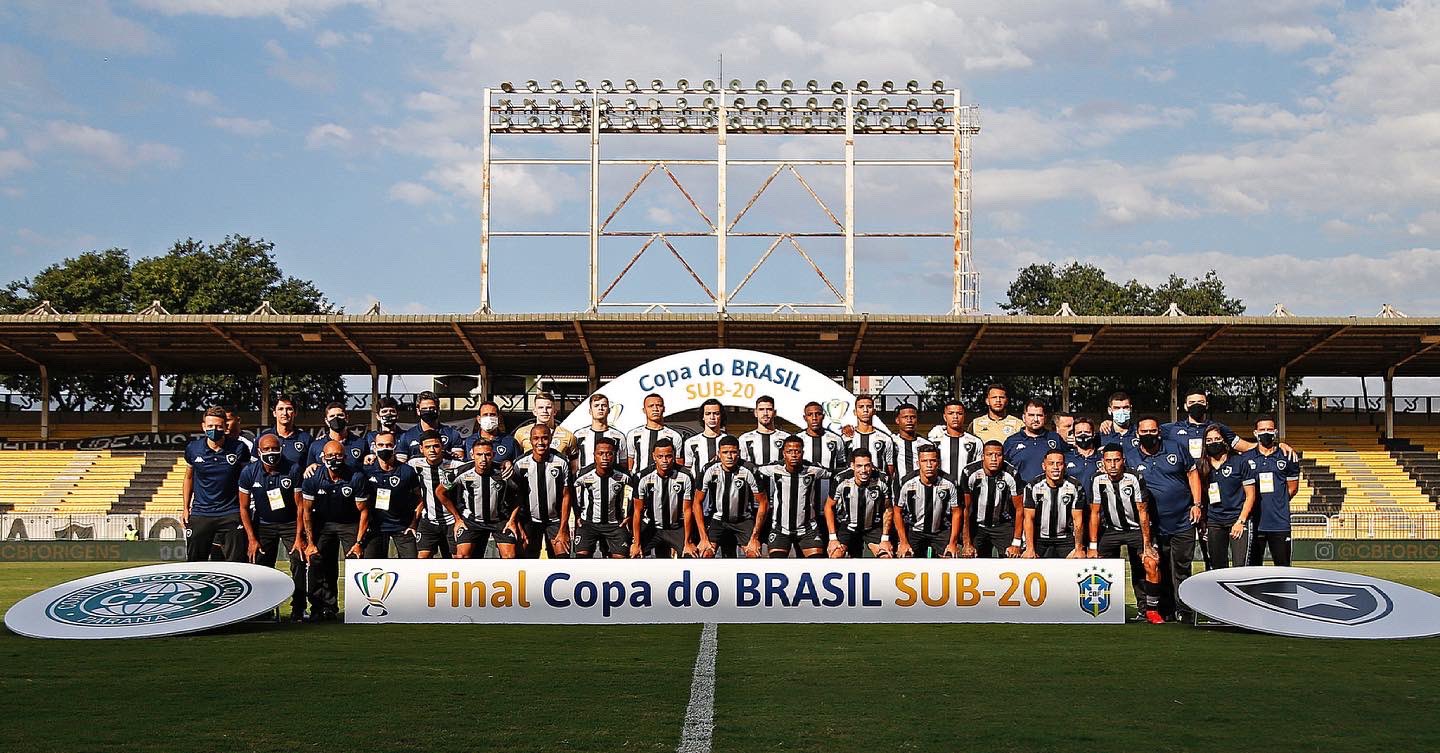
<point>441,474</point>
<point>826,450</point>
<point>1119,500</point>
<point>991,497</point>
<point>956,453</point>
<point>760,448</point>
<point>542,484</point>
<point>729,495</point>
<point>794,496</point>
<point>1053,506</point>
<point>860,507</point>
<point>880,445</point>
<point>604,498</point>
<point>663,498</point>
<point>585,445</point>
<point>700,451</point>
<point>639,441</point>
<point>926,508</point>
<point>907,455</point>
<point>483,499</point>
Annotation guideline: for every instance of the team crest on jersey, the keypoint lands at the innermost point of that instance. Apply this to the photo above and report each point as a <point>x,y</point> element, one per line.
<point>1051,443</point>
<point>1095,589</point>
<point>354,452</point>
<point>285,483</point>
<point>1172,459</point>
<point>299,446</point>
<point>1225,471</point>
<point>1280,465</point>
<point>944,495</point>
<point>346,491</point>
<point>806,480</point>
<point>231,458</point>
<point>872,494</point>
<point>394,481</point>
<point>1127,492</point>
<point>1067,498</point>
<point>555,472</point>
<point>738,484</point>
<point>678,487</point>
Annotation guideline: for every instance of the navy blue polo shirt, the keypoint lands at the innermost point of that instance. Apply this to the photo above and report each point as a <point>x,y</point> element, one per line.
<point>334,500</point>
<point>1225,492</point>
<point>1166,474</point>
<point>271,493</point>
<point>505,448</point>
<point>1026,454</point>
<point>1127,439</point>
<point>355,450</point>
<point>1191,435</point>
<point>408,445</point>
<point>1083,470</point>
<point>1271,472</point>
<point>394,495</point>
<point>295,448</point>
<point>216,477</point>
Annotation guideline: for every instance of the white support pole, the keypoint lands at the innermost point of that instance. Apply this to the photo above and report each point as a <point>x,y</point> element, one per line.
<point>722,217</point>
<point>595,202</point>
<point>155,399</point>
<point>957,293</point>
<point>1280,400</point>
<point>44,402</point>
<point>849,204</point>
<point>1390,403</point>
<point>485,207</point>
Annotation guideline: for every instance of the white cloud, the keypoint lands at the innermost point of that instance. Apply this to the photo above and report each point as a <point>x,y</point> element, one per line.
<point>291,12</point>
<point>1155,74</point>
<point>411,193</point>
<point>302,73</point>
<point>330,39</point>
<point>91,25</point>
<point>428,101</point>
<point>1267,119</point>
<point>1281,37</point>
<point>4,134</point>
<point>243,126</point>
<point>201,98</point>
<point>109,148</point>
<point>328,135</point>
<point>13,161</point>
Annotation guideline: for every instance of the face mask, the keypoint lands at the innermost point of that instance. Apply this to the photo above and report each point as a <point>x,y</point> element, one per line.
<point>388,421</point>
<point>270,458</point>
<point>1150,441</point>
<point>1084,441</point>
<point>429,416</point>
<point>1265,438</point>
<point>386,454</point>
<point>489,423</point>
<point>1214,449</point>
<point>1121,416</point>
<point>214,435</point>
<point>334,464</point>
<point>1196,411</point>
<point>336,424</point>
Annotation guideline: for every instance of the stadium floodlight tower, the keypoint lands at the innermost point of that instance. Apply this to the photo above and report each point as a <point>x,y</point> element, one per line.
<point>707,107</point>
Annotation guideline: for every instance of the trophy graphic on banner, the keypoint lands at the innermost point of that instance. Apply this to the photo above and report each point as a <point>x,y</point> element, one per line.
<point>836,410</point>
<point>376,584</point>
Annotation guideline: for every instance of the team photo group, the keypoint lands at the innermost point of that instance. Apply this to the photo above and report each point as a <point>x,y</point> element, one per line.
<point>1035,485</point>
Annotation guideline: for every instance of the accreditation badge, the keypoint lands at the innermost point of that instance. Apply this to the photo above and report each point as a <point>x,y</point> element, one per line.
<point>382,499</point>
<point>1267,482</point>
<point>277,499</point>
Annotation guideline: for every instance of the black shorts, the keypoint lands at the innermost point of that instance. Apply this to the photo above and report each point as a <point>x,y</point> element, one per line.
<point>616,536</point>
<point>663,543</point>
<point>928,544</point>
<point>729,537</point>
<point>988,539</point>
<point>1112,541</point>
<point>858,543</point>
<point>540,536</point>
<point>434,537</point>
<point>1054,548</point>
<point>482,533</point>
<point>802,539</point>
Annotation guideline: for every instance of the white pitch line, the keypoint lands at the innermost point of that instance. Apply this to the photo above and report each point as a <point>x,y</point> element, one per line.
<point>699,728</point>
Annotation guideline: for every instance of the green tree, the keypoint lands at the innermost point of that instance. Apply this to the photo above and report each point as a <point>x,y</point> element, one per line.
<point>1041,290</point>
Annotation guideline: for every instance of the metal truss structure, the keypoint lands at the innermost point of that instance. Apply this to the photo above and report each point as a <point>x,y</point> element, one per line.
<point>771,110</point>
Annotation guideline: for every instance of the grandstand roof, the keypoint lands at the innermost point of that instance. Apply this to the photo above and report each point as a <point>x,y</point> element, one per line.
<point>866,343</point>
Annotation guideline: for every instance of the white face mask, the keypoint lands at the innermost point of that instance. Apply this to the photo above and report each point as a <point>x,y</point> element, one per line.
<point>489,423</point>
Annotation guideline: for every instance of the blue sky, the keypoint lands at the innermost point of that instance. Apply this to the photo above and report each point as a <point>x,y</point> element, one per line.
<point>1293,146</point>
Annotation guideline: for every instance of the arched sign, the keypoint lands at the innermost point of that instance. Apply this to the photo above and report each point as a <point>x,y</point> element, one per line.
<point>734,377</point>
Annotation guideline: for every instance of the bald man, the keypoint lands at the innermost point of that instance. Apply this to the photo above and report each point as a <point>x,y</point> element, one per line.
<point>336,510</point>
<point>269,514</point>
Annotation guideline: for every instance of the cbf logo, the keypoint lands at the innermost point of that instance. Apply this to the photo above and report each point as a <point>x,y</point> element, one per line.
<point>1315,599</point>
<point>1095,585</point>
<point>148,599</point>
<point>375,585</point>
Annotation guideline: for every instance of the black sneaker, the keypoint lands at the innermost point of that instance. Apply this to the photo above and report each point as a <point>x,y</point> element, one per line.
<point>297,615</point>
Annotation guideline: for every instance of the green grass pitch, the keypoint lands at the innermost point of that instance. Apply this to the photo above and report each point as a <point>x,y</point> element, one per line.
<point>823,688</point>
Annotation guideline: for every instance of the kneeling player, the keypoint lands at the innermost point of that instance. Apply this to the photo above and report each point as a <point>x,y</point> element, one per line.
<point>1054,517</point>
<point>794,485</point>
<point>602,497</point>
<point>928,513</point>
<point>729,502</point>
<point>662,507</point>
<point>857,513</point>
<point>1120,517</point>
<point>486,502</point>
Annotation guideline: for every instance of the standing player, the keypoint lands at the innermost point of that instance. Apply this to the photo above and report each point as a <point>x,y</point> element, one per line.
<point>602,502</point>
<point>793,485</point>
<point>994,509</point>
<point>857,513</point>
<point>1120,429</point>
<point>761,445</point>
<point>729,501</point>
<point>387,414</point>
<point>211,512</point>
<point>232,429</point>
<point>642,439</point>
<point>1054,513</point>
<point>1120,517</point>
<point>490,428</point>
<point>908,442</point>
<point>1082,462</point>
<point>1064,425</point>
<point>485,499</point>
<point>822,447</point>
<point>562,442</point>
<point>928,511</point>
<point>1174,485</point>
<point>336,515</point>
<point>958,448</point>
<point>427,409</point>
<point>996,424</point>
<point>434,522</point>
<point>868,437</point>
<point>543,476</point>
<point>586,436</point>
<point>268,514</point>
<point>1277,477</point>
<point>294,441</point>
<point>396,495</point>
<point>1230,501</point>
<point>337,426</point>
<point>700,449</point>
<point>662,524</point>
<point>1025,450</point>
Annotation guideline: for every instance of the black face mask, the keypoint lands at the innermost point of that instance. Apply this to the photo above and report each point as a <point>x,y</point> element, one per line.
<point>386,454</point>
<point>388,421</point>
<point>334,464</point>
<point>1084,441</point>
<point>270,458</point>
<point>1215,449</point>
<point>1150,442</point>
<point>336,424</point>
<point>429,416</point>
<point>1197,411</point>
<point>1265,438</point>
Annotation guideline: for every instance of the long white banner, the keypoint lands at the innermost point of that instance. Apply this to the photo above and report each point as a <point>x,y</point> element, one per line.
<point>735,590</point>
